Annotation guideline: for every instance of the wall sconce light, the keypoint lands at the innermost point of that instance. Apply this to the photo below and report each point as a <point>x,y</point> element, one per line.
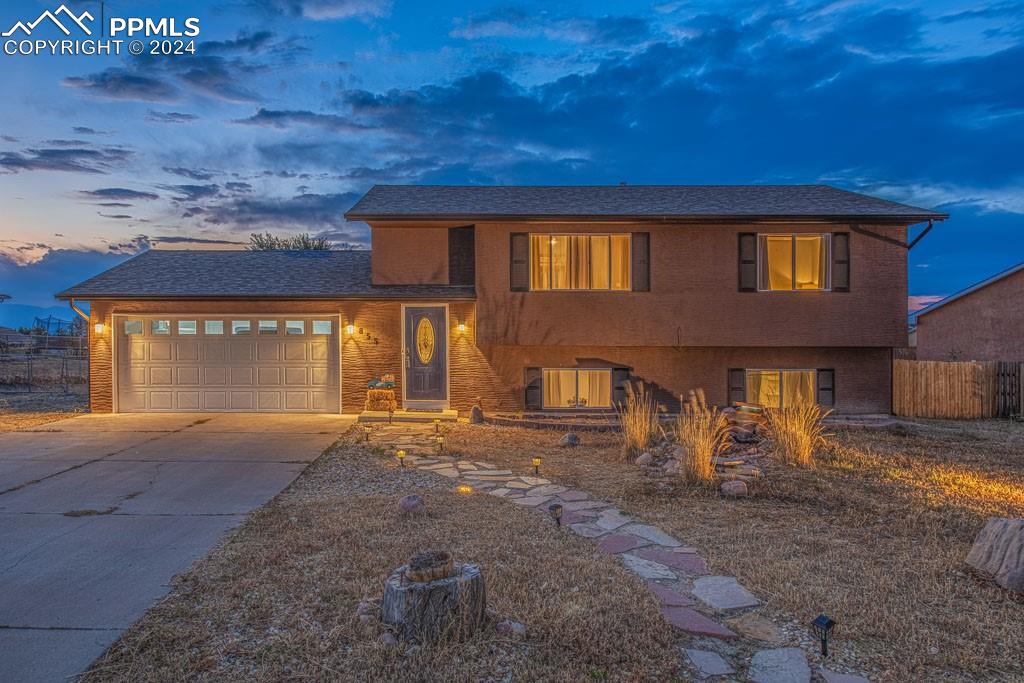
<point>350,328</point>
<point>821,627</point>
<point>98,328</point>
<point>462,327</point>
<point>401,458</point>
<point>556,511</point>
<point>536,466</point>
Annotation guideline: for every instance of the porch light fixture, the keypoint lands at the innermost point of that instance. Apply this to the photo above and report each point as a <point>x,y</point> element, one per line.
<point>536,466</point>
<point>350,328</point>
<point>464,488</point>
<point>556,512</point>
<point>821,627</point>
<point>401,458</point>
<point>98,328</point>
<point>462,327</point>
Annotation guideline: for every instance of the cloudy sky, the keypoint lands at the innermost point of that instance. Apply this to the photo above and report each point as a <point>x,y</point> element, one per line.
<point>290,109</point>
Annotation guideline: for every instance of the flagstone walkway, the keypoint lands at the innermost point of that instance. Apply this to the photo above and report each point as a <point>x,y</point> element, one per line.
<point>717,612</point>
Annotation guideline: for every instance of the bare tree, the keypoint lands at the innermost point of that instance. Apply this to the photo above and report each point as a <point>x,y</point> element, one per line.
<point>301,242</point>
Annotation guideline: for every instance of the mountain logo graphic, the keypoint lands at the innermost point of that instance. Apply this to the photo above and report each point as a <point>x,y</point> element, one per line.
<point>52,16</point>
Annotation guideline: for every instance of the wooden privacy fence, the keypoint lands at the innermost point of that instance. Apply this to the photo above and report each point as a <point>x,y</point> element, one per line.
<point>928,388</point>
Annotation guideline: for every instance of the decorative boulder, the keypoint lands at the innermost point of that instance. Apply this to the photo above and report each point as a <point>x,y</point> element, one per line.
<point>510,629</point>
<point>412,504</point>
<point>570,440</point>
<point>645,459</point>
<point>998,552</point>
<point>672,467</point>
<point>734,488</point>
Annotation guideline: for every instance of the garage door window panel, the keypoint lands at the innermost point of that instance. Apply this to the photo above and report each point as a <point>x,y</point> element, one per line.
<point>241,327</point>
<point>321,327</point>
<point>187,327</point>
<point>294,327</point>
<point>160,327</point>
<point>133,327</point>
<point>213,327</point>
<point>268,327</point>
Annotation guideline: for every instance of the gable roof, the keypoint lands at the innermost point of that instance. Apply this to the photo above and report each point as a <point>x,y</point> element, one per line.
<point>970,290</point>
<point>220,274</point>
<point>644,202</point>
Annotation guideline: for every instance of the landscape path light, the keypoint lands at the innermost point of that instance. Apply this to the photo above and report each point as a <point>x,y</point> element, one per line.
<point>556,511</point>
<point>536,465</point>
<point>822,627</point>
<point>401,458</point>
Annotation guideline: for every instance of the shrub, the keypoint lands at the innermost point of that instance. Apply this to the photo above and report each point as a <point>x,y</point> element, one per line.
<point>638,417</point>
<point>703,433</point>
<point>796,432</point>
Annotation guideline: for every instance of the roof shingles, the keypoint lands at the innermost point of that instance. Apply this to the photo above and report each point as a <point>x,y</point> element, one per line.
<point>173,274</point>
<point>652,202</point>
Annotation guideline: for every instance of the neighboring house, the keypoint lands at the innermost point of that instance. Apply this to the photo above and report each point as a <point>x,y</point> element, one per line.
<point>527,297</point>
<point>983,322</point>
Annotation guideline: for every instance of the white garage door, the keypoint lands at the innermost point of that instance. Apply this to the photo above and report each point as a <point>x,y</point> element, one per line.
<point>227,363</point>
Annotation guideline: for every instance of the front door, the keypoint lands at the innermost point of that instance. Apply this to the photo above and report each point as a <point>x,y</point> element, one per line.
<point>426,356</point>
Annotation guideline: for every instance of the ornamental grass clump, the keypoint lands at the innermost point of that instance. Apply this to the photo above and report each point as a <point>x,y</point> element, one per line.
<point>703,433</point>
<point>797,432</point>
<point>638,417</point>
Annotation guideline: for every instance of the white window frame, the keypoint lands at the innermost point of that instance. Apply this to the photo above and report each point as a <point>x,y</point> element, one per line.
<point>551,262</point>
<point>761,254</point>
<point>814,379</point>
<point>577,371</point>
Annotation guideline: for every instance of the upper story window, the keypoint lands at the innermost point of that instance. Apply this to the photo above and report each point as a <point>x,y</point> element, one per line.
<point>580,262</point>
<point>793,262</point>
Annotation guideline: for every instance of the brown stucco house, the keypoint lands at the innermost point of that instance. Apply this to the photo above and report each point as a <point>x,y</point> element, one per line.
<point>984,322</point>
<point>537,298</point>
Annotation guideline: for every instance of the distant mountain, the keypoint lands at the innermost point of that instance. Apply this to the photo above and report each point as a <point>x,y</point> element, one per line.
<point>22,315</point>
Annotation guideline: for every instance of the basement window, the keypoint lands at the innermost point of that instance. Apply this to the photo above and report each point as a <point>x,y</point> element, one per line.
<point>213,326</point>
<point>241,327</point>
<point>133,327</point>
<point>571,388</point>
<point>159,326</point>
<point>294,327</point>
<point>780,388</point>
<point>187,327</point>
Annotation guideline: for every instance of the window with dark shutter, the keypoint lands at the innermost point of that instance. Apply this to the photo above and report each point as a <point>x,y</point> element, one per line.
<point>641,261</point>
<point>462,256</point>
<point>748,262</point>
<point>519,261</point>
<point>840,262</point>
<point>620,378</point>
<point>533,381</point>
<point>737,385</point>
<point>826,388</point>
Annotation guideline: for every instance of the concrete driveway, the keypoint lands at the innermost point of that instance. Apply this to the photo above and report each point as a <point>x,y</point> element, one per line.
<point>99,512</point>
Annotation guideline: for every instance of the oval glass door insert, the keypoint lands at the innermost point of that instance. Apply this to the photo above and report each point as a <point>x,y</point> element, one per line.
<point>425,340</point>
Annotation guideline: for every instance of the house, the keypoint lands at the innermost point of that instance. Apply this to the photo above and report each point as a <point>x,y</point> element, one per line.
<point>983,322</point>
<point>537,298</point>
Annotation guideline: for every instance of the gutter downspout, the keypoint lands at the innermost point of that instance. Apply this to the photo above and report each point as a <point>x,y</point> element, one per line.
<point>76,309</point>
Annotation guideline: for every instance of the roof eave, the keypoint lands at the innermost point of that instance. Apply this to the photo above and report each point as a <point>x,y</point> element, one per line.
<point>462,295</point>
<point>904,219</point>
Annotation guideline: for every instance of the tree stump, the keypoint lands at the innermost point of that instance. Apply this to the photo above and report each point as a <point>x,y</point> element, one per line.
<point>449,607</point>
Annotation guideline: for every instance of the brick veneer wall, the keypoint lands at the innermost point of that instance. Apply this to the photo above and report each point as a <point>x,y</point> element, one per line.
<point>987,324</point>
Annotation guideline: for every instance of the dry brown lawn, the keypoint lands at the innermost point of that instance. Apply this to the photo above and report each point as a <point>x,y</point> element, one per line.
<point>874,536</point>
<point>277,599</point>
<point>27,410</point>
